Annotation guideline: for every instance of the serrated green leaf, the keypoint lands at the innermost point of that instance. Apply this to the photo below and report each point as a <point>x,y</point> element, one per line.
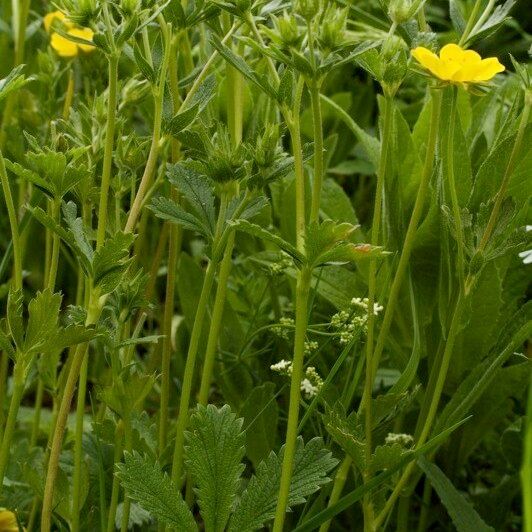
<point>312,463</point>
<point>146,484</point>
<point>43,315</point>
<point>214,450</point>
<point>111,260</point>
<point>169,210</point>
<point>197,190</point>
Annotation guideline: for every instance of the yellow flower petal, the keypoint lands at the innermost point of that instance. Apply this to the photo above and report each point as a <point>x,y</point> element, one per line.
<point>430,61</point>
<point>83,33</point>
<point>63,46</point>
<point>56,15</point>
<point>457,64</point>
<point>8,521</point>
<point>486,69</point>
<point>451,52</point>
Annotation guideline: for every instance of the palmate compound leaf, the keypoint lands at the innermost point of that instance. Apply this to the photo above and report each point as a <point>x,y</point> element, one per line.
<point>257,504</point>
<point>146,484</point>
<point>214,450</point>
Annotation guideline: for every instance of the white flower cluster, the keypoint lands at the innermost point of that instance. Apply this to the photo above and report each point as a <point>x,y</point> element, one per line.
<point>310,346</point>
<point>283,329</point>
<point>311,383</point>
<point>277,268</point>
<point>402,439</point>
<point>349,323</point>
<point>526,256</point>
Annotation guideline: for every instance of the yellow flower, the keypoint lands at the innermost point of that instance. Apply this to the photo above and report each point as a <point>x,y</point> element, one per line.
<point>63,46</point>
<point>458,65</point>
<point>8,521</point>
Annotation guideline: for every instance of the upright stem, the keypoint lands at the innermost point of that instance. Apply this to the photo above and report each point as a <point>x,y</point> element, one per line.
<point>62,415</point>
<point>115,490</point>
<point>318,151</point>
<point>151,164</point>
<point>526,467</point>
<point>235,121</point>
<point>193,347</point>
<point>508,172</point>
<point>455,205</point>
<point>174,245</point>
<point>108,149</point>
<point>173,253</point>
<point>216,320</point>
<point>297,150</point>
<point>18,390</point>
<point>13,222</point>
<point>186,390</point>
<point>339,482</point>
<point>302,296</point>
<point>78,444</point>
<point>411,231</point>
<point>372,288</point>
<point>128,446</point>
<point>56,243</point>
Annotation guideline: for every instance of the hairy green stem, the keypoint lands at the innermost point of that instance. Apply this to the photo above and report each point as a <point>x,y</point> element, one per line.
<point>302,297</point>
<point>408,243</point>
<point>455,205</point>
<point>318,151</point>
<point>115,489</point>
<point>186,390</point>
<point>78,444</point>
<point>297,150</point>
<point>339,482</point>
<point>95,308</point>
<point>508,172</point>
<point>128,447</point>
<point>16,397</point>
<point>13,223</point>
<point>151,163</point>
<point>193,347</point>
<point>108,149</point>
<point>173,255</point>
<point>526,466</point>
<point>216,320</point>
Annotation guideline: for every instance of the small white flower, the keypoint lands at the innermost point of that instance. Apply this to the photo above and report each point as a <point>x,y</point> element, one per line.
<point>526,256</point>
<point>403,439</point>
<point>282,366</point>
<point>308,388</point>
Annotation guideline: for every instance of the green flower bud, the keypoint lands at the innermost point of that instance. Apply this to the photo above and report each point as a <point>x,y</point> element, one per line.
<point>400,11</point>
<point>288,30</point>
<point>332,30</point>
<point>308,9</point>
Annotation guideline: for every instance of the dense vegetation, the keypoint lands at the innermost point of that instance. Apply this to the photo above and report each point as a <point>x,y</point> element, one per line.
<point>263,265</point>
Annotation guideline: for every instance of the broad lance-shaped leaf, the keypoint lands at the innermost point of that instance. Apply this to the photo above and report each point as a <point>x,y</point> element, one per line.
<point>312,463</point>
<point>146,484</point>
<point>462,512</point>
<point>214,450</point>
